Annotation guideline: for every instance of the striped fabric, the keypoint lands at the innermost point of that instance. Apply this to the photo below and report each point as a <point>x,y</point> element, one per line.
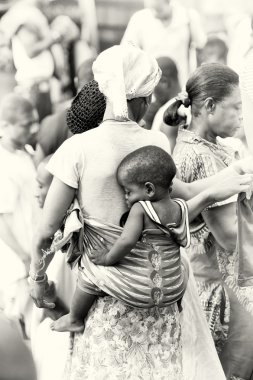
<point>180,233</point>
<point>153,274</point>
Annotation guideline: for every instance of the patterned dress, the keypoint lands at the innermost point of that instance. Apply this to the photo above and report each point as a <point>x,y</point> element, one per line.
<point>226,305</point>
<point>121,342</point>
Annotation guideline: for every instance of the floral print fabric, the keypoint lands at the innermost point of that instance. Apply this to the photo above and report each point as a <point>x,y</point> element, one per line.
<point>121,342</point>
<point>196,159</point>
<point>226,305</point>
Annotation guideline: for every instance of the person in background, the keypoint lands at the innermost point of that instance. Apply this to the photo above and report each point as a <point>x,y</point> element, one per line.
<point>26,28</point>
<point>166,28</point>
<point>7,72</point>
<point>43,179</point>
<point>19,122</point>
<point>213,94</point>
<point>241,42</point>
<point>38,51</point>
<point>54,129</point>
<point>34,68</point>
<point>88,43</point>
<point>215,50</point>
<point>16,361</point>
<point>50,349</point>
<point>89,24</point>
<point>20,13</point>
<point>166,89</point>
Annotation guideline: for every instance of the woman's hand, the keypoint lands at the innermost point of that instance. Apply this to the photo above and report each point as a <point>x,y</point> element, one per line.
<point>98,257</point>
<point>39,291</point>
<point>231,186</point>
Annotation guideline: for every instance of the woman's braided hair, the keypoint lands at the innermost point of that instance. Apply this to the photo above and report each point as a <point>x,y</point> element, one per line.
<point>87,109</point>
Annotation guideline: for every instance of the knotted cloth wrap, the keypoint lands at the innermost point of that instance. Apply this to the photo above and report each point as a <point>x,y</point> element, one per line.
<point>124,72</point>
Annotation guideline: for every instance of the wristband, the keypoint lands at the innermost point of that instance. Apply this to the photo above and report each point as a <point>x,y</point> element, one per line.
<point>37,278</point>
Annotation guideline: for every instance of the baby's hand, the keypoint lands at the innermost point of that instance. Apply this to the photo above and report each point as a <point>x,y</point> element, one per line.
<point>98,257</point>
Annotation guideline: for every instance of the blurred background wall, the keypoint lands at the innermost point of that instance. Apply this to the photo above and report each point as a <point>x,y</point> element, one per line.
<point>112,16</point>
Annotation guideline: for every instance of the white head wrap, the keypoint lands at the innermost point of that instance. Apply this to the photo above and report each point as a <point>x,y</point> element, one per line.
<point>124,72</point>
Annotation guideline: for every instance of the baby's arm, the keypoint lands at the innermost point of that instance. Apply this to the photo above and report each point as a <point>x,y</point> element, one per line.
<point>127,240</point>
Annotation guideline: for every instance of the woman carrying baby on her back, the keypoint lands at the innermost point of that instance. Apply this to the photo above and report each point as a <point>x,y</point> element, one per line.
<point>155,277</point>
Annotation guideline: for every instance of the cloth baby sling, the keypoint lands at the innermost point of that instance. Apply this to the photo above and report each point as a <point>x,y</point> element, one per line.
<point>146,277</point>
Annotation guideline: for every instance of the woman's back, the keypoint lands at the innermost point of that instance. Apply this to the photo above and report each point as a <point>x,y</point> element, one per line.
<point>89,161</point>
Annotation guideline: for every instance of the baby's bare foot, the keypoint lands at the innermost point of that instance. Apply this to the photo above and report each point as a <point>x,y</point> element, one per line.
<point>66,324</point>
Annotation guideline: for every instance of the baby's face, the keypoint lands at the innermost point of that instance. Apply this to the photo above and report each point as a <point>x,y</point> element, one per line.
<point>134,193</point>
<point>44,179</point>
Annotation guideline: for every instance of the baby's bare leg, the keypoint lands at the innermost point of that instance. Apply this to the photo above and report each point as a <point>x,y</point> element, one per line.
<point>74,321</point>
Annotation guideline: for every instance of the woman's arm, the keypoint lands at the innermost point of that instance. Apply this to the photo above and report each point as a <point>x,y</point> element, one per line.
<point>187,191</point>
<point>127,240</point>
<point>58,200</point>
<point>221,191</point>
<point>198,203</point>
<point>34,48</point>
<point>222,222</point>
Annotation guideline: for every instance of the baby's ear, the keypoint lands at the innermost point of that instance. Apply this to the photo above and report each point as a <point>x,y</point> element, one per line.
<point>150,189</point>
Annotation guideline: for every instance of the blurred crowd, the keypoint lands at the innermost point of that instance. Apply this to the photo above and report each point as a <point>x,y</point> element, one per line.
<point>44,64</point>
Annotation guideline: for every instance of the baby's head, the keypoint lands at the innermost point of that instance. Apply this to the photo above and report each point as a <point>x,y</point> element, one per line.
<point>44,179</point>
<point>146,174</point>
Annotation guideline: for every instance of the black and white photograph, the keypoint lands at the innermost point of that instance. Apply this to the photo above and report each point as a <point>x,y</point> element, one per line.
<point>126,195</point>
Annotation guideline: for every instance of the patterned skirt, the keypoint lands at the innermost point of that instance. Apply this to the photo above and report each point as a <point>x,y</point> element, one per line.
<point>123,342</point>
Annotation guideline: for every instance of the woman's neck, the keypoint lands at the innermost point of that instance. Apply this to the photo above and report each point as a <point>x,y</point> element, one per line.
<point>109,114</point>
<point>200,127</point>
